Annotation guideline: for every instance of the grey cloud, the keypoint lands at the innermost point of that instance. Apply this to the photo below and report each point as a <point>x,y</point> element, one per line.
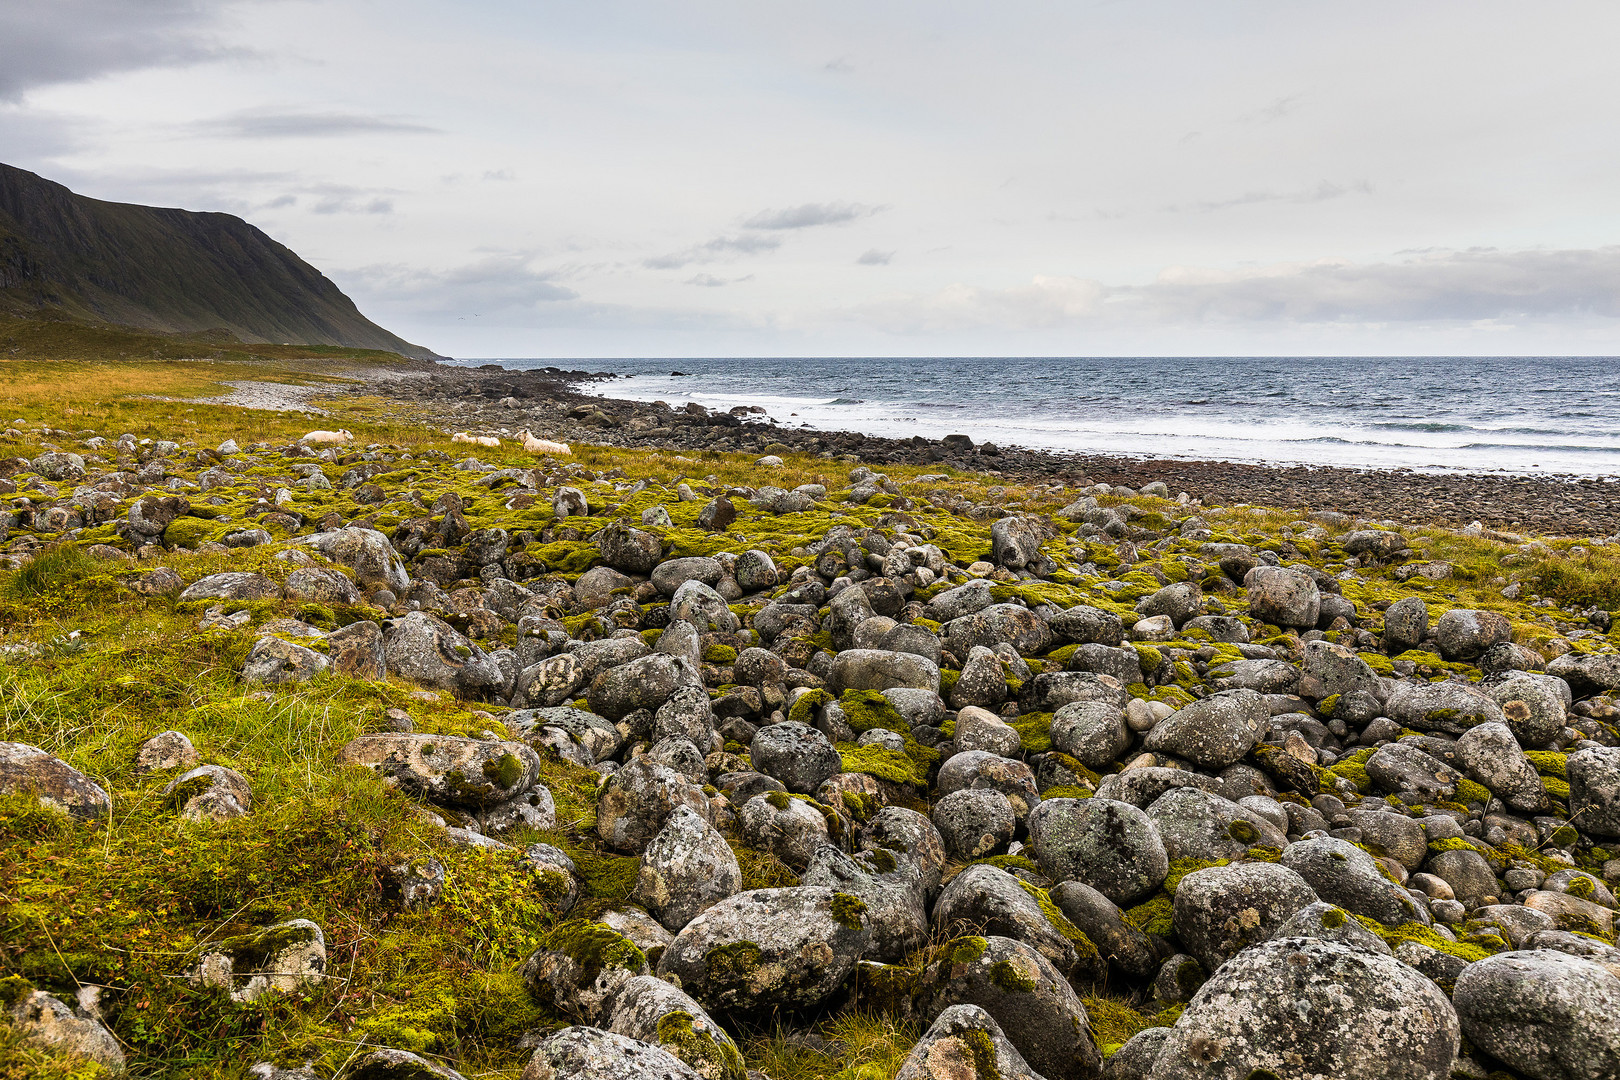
<point>721,247</point>
<point>55,41</point>
<point>708,281</point>
<point>273,124</point>
<point>496,282</point>
<point>874,257</point>
<point>810,215</point>
<point>1321,192</point>
<point>1474,286</point>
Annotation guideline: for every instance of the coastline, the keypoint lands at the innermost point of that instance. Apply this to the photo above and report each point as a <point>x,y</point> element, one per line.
<point>557,404</point>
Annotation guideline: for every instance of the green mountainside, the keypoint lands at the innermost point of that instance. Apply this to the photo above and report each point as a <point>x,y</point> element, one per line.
<point>63,254</point>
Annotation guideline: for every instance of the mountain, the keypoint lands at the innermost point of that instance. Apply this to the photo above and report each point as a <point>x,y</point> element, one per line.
<point>175,271</point>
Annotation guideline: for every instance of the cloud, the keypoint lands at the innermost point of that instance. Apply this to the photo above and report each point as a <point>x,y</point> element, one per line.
<point>810,215</point>
<point>720,248</point>
<point>55,41</point>
<point>497,282</point>
<point>708,281</point>
<point>1437,287</point>
<point>874,257</point>
<point>273,124</point>
<point>1321,192</point>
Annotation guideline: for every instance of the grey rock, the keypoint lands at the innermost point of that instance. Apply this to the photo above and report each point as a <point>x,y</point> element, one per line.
<point>788,947</point>
<point>429,651</point>
<point>1594,789</point>
<point>29,770</point>
<point>1301,1007</point>
<point>671,574</point>
<point>686,868</point>
<point>1196,824</point>
<point>277,959</point>
<point>645,683</point>
<point>980,729</point>
<point>1283,597</point>
<point>1530,708</point>
<point>365,551</point>
<point>651,1011</point>
<point>636,800</point>
<point>974,822</point>
<point>45,1020</point>
<point>1223,910</point>
<point>1329,922</point>
<point>165,750</point>
<point>629,550</point>
<point>1545,1014</point>
<point>1406,622</point>
<point>875,669</point>
<point>889,887</point>
<point>1343,874</point>
<point>1449,707</point>
<point>580,967</point>
<point>982,769</point>
<point>1493,758</point>
<point>210,793</point>
<point>964,1043</point>
<point>1111,846</point>
<point>1213,732</point>
<point>277,662</point>
<point>909,838</point>
<point>796,754</point>
<point>1092,732</point>
<point>232,585</point>
<point>983,899</point>
<point>447,769</point>
<point>588,1053</point>
<point>789,828</point>
<point>1126,949</point>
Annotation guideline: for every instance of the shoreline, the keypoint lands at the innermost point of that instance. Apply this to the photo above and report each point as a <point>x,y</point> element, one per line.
<point>554,403</point>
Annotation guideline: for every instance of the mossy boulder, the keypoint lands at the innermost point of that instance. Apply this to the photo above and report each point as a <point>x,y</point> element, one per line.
<point>580,966</point>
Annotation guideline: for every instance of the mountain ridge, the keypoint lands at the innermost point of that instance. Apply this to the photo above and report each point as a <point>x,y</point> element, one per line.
<point>168,270</point>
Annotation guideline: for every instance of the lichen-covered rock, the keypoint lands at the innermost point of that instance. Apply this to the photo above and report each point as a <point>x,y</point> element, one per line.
<point>1127,949</point>
<point>1283,597</point>
<point>789,828</point>
<point>1545,1014</point>
<point>1493,758</point>
<point>278,662</point>
<point>1594,789</point>
<point>232,585</point>
<point>29,770</point>
<point>1343,874</point>
<point>1223,910</point>
<point>984,899</point>
<point>357,651</point>
<point>1403,768</point>
<point>165,750</point>
<point>365,551</point>
<point>1463,634</point>
<point>278,959</point>
<point>210,793</point>
<point>1330,669</point>
<point>1134,1059</point>
<point>1194,824</point>
<point>580,966</point>
<point>1588,673</point>
<point>650,1010</point>
<point>788,947</point>
<point>428,650</point>
<point>965,1043</point>
<point>636,801</point>
<point>1406,622</point>
<point>796,754</point>
<point>1091,732</point>
<point>644,683</point>
<point>887,886</point>
<point>390,1064</point>
<point>447,769</point>
<point>1301,1007</point>
<point>588,1053</point>
<point>45,1020</point>
<point>1449,707</point>
<point>982,769</point>
<point>981,729</point>
<point>628,549</point>
<point>687,867</point>
<point>1532,710</point>
<point>1330,922</point>
<point>1214,732</point>
<point>974,822</point>
<point>317,586</point>
<point>879,669</point>
<point>1025,995</point>
<point>1111,846</point>
<point>908,837</point>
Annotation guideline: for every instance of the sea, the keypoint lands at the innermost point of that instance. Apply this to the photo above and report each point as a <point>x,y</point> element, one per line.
<point>1518,415</point>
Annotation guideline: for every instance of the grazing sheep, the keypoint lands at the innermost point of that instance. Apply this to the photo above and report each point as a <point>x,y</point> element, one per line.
<point>461,436</point>
<point>476,440</point>
<point>344,435</point>
<point>542,446</point>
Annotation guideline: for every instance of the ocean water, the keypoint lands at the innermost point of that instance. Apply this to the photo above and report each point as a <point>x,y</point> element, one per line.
<point>1523,415</point>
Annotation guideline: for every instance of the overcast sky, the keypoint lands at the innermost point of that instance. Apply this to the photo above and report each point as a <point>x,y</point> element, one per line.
<point>605,178</point>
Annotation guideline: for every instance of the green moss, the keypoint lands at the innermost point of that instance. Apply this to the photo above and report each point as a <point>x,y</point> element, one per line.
<point>1113,1022</point>
<point>1327,705</point>
<point>13,988</point>
<point>594,947</point>
<point>1423,935</point>
<point>1180,868</point>
<point>1334,918</point>
<point>849,911</point>
<point>868,709</point>
<point>779,799</point>
<point>1066,791</point>
<point>1556,787</point>
<point>1152,916</point>
<point>1034,731</point>
<point>1010,862</point>
<point>910,766</point>
<point>1060,922</point>
<point>505,771</point>
<point>1549,762</point>
<point>983,1049</point>
<point>1010,979</point>
<point>803,710</point>
<point>713,1058</point>
<point>732,966</point>
<point>720,654</point>
<point>1244,832</point>
<point>1470,793</point>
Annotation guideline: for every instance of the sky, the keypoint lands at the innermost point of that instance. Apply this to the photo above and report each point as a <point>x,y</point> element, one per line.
<point>602,178</point>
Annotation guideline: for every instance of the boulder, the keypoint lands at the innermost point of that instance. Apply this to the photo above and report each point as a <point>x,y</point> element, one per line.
<point>686,868</point>
<point>1111,846</point>
<point>588,1053</point>
<point>365,551</point>
<point>984,899</point>
<point>232,585</point>
<point>630,550</point>
<point>1022,992</point>
<point>651,1011</point>
<point>1213,732</point>
<point>210,793</point>
<point>1464,634</point>
<point>45,1020</point>
<point>1594,790</point>
<point>1303,1007</point>
<point>964,1043</point>
<point>645,683</point>
<point>878,669</point>
<point>1406,623</point>
<point>796,754</point>
<point>278,662</point>
<point>29,770</point>
<point>636,800</point>
<point>789,828</point>
<point>1223,910</point>
<point>974,822</point>
<point>447,769</point>
<point>786,947</point>
<point>1543,1013</point>
<point>1283,597</point>
<point>1343,874</point>
<point>277,959</point>
<point>580,967</point>
<point>428,650</point>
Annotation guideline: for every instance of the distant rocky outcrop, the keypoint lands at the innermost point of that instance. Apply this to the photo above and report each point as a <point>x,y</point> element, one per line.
<point>65,255</point>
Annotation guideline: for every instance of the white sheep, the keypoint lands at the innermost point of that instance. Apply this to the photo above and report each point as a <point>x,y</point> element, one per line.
<point>542,446</point>
<point>341,436</point>
<point>476,440</point>
<point>461,436</point>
